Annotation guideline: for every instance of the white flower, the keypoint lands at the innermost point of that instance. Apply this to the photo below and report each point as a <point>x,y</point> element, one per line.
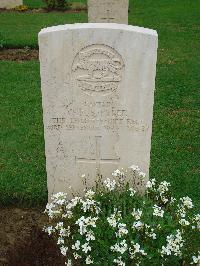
<point>59,225</point>
<point>89,194</point>
<point>157,211</point>
<point>82,225</point>
<point>76,246</point>
<point>90,235</point>
<point>136,249</point>
<point>184,222</point>
<point>120,247</point>
<point>86,247</point>
<point>181,211</point>
<point>91,221</point>
<point>174,245</point>
<point>76,256</point>
<point>89,260</point>
<point>132,192</point>
<point>63,250</point>
<point>73,203</point>
<point>164,199</point>
<point>49,230</point>
<point>187,202</point>
<point>196,219</point>
<point>150,232</point>
<point>68,214</point>
<point>196,259</point>
<point>142,175</point>
<point>110,184</point>
<point>84,222</point>
<point>60,241</point>
<point>68,263</point>
<point>172,200</point>
<point>151,183</point>
<point>137,214</point>
<point>116,173</point>
<point>153,235</point>
<point>119,261</point>
<point>59,195</point>
<point>64,232</point>
<point>137,225</point>
<point>134,168</point>
<point>122,230</point>
<point>112,220</point>
<point>88,205</point>
<point>163,187</point>
<point>166,251</point>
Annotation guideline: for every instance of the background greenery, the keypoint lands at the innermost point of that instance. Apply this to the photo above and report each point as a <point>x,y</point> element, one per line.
<point>175,141</point>
<point>40,3</point>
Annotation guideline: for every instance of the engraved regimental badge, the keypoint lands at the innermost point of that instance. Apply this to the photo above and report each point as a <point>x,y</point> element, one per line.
<point>97,69</point>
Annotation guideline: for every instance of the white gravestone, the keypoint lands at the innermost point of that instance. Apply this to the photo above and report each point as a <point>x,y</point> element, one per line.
<point>97,91</point>
<point>108,11</point>
<point>10,3</point>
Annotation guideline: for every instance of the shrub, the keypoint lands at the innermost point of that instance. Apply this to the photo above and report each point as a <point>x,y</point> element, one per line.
<point>56,4</point>
<point>21,8</point>
<point>113,224</point>
<point>78,6</point>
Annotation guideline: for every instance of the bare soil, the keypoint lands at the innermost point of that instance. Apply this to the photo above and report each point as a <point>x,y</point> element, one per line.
<point>19,54</point>
<point>44,10</point>
<point>22,241</point>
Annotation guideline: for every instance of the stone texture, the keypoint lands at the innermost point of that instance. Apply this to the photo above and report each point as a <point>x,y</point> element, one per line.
<point>97,90</point>
<point>10,3</point>
<point>108,11</point>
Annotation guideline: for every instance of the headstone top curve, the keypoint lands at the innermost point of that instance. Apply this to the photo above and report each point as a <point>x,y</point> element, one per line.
<point>111,26</point>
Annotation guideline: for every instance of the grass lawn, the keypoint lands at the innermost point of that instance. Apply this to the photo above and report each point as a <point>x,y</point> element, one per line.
<point>19,30</point>
<point>34,3</point>
<point>41,3</point>
<point>23,164</point>
<point>175,143</point>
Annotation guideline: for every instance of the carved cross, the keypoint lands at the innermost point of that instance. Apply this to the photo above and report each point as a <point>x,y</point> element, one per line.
<point>108,17</point>
<point>97,160</point>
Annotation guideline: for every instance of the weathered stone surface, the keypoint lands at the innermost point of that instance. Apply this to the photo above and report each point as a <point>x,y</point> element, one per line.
<point>98,90</point>
<point>108,11</point>
<point>10,3</point>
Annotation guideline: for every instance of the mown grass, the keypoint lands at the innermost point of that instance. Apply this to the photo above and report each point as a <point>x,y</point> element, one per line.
<point>20,30</point>
<point>22,178</point>
<point>41,3</point>
<point>175,142</point>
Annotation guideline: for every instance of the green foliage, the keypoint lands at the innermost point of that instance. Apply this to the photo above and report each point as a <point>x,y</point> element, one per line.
<point>2,41</point>
<point>56,4</point>
<point>115,225</point>
<point>77,6</point>
<point>21,8</point>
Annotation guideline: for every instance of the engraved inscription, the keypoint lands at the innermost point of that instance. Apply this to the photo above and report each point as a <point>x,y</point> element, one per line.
<point>98,161</point>
<point>108,16</point>
<point>98,69</point>
<point>95,115</point>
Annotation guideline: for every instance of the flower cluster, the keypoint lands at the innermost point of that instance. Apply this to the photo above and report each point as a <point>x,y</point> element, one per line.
<point>174,245</point>
<point>115,224</point>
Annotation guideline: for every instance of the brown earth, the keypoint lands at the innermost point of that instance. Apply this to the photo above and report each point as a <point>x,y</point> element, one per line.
<point>19,54</point>
<point>22,241</point>
<point>44,10</point>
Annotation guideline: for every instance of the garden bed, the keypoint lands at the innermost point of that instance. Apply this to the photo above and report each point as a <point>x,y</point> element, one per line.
<point>19,54</point>
<point>22,241</point>
<point>43,10</point>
